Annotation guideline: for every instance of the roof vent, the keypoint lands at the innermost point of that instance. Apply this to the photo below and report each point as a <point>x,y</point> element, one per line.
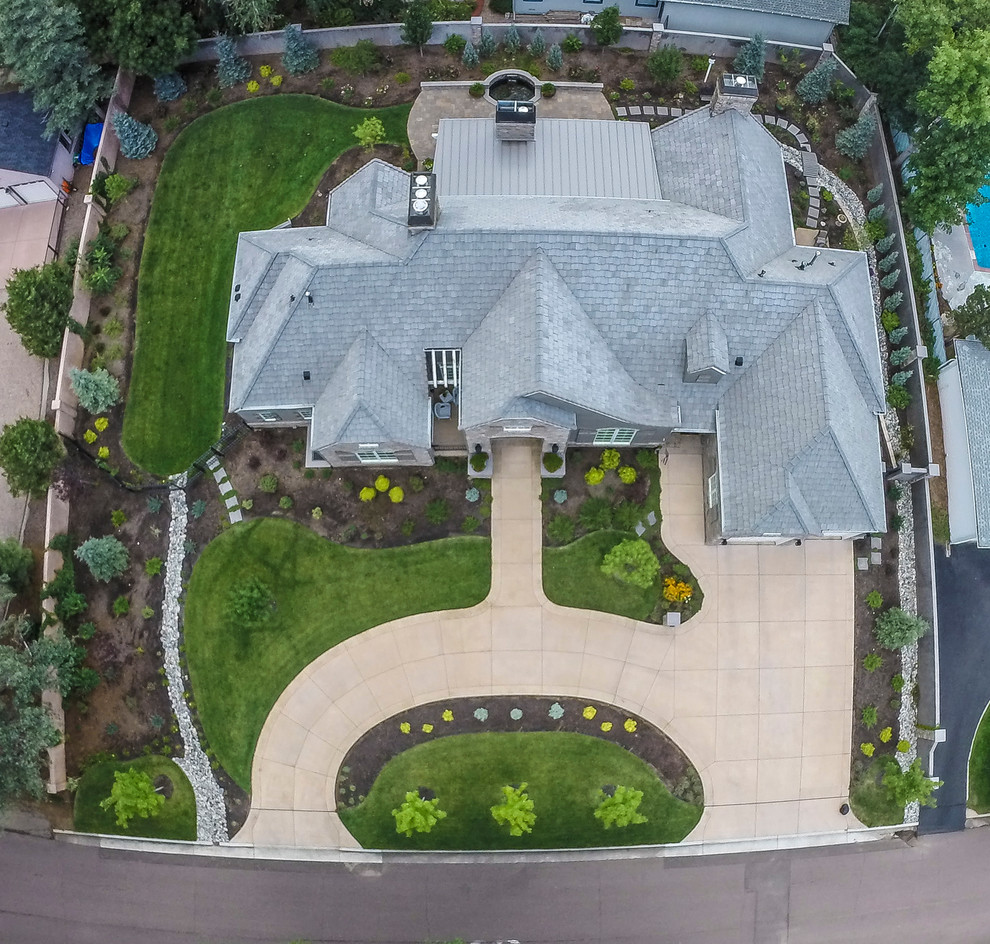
<point>515,121</point>
<point>306,375</point>
<point>423,208</point>
<point>739,362</point>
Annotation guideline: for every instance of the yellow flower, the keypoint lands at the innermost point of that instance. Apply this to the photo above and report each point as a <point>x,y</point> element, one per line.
<point>589,712</point>
<point>404,727</point>
<point>427,728</point>
<point>448,715</point>
<point>629,725</point>
<point>103,452</point>
<point>606,726</point>
<point>102,423</point>
<point>676,591</point>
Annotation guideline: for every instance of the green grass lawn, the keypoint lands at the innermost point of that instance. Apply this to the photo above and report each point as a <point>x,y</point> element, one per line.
<point>244,167</point>
<point>564,771</point>
<point>572,576</point>
<point>177,820</point>
<point>979,768</point>
<point>869,800</point>
<point>324,593</point>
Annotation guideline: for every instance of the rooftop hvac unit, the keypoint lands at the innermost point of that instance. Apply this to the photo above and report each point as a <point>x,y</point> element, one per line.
<point>423,210</point>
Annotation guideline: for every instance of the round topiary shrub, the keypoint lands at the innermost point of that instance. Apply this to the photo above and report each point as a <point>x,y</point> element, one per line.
<point>285,502</point>
<point>472,495</point>
<point>477,89</point>
<point>896,629</point>
<point>610,459</point>
<point>632,562</point>
<point>395,494</point>
<point>479,461</point>
<point>382,483</point>
<point>560,496</point>
<point>552,461</point>
<point>627,475</point>
<point>594,476</point>
<point>367,494</point>
<point>548,90</point>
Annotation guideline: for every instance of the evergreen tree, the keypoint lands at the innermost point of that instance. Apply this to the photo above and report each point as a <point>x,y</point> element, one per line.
<point>29,452</point>
<point>300,54</point>
<point>417,24</point>
<point>816,85</point>
<point>169,87</point>
<point>512,40</point>
<point>137,140</point>
<point>106,557</point>
<point>606,27</point>
<point>37,306</point>
<point>751,59</point>
<point>470,57</point>
<point>886,242</point>
<point>539,44</point>
<point>97,390</point>
<point>875,193</point>
<point>231,68</point>
<point>487,46</point>
<point>149,37</point>
<point>888,262</point>
<point>855,140</point>
<point>555,58</point>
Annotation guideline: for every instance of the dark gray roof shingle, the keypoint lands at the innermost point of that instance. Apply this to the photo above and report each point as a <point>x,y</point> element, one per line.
<point>973,361</point>
<point>23,146</point>
<point>827,11</point>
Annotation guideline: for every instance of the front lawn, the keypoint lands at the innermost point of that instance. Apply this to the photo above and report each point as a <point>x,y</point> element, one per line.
<point>248,166</point>
<point>177,819</point>
<point>564,772</point>
<point>869,798</point>
<point>324,594</point>
<point>979,768</point>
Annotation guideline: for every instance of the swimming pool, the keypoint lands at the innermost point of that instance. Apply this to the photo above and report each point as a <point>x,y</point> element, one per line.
<point>978,226</point>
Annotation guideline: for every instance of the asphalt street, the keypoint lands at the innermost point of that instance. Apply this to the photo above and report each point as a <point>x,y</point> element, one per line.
<point>963,582</point>
<point>934,888</point>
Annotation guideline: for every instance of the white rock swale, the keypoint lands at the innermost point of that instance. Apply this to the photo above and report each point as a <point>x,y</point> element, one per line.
<point>211,812</point>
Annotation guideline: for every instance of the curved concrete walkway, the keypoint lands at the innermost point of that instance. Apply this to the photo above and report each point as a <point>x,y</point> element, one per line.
<point>756,689</point>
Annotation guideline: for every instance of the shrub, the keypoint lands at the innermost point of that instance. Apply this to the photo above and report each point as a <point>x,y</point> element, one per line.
<point>106,557</point>
<point>97,390</point>
<point>552,461</point>
<point>395,494</point>
<point>121,606</point>
<point>367,494</point>
<point>875,229</point>
<point>890,320</point>
<point>869,716</point>
<point>370,132</point>
<point>560,496</point>
<point>874,193</point>
<point>137,140</point>
<point>872,662</point>
<point>595,514</point>
<point>572,43</point>
<point>632,562</point>
<point>402,78</point>
<point>408,526</point>
<point>416,483</point>
<point>476,90</point>
<point>665,65</point>
<point>676,591</point>
<point>884,245</point>
<point>627,85</point>
<point>479,461</point>
<point>626,515</point>
<point>382,483</point>
<point>472,495</point>
<point>487,45</point>
<point>751,59</point>
<point>620,809</point>
<point>627,475</point>
<point>360,59</point>
<point>898,398</point>
<point>153,566</point>
<point>539,44</point>
<point>896,629</point>
<point>285,502</point>
<point>132,794</point>
<point>515,810</point>
<point>594,476</point>
<point>317,513</point>
<point>893,301</point>
<point>560,529</point>
<point>250,602</point>
<point>455,44</point>
<point>437,511</point>
<point>417,815</point>
<point>300,55</point>
<point>117,518</point>
<point>470,524</point>
<point>169,87</point>
<point>268,483</point>
<point>116,187</point>
<point>147,612</point>
<point>609,459</point>
<point>890,279</point>
<point>197,508</point>
<point>555,58</point>
<point>901,378</point>
<point>874,599</point>
<point>867,749</point>
<point>903,747</point>
<point>855,140</point>
<point>909,786</point>
<point>512,40</point>
<point>86,631</point>
<point>897,335</point>
<point>815,86</point>
<point>471,59</point>
<point>899,356</point>
<point>886,734</point>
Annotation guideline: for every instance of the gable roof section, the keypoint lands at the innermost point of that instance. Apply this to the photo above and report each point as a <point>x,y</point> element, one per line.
<point>707,345</point>
<point>23,146</point>
<point>549,347</point>
<point>827,11</point>
<point>370,398</point>
<point>973,361</point>
<point>799,445</point>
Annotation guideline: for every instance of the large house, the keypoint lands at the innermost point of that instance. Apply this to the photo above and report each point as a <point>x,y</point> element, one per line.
<point>803,22</point>
<point>596,284</point>
<point>33,168</point>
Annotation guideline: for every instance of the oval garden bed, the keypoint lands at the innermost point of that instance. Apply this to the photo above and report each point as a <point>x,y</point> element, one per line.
<point>464,750</point>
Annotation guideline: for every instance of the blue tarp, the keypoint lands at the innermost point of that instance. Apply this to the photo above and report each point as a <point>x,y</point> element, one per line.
<point>91,141</point>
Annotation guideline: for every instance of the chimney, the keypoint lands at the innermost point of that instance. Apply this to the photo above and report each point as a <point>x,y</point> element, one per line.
<point>738,92</point>
<point>423,206</point>
<point>515,121</point>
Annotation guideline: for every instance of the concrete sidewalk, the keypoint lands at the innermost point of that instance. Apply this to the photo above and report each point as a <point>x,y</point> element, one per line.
<point>756,689</point>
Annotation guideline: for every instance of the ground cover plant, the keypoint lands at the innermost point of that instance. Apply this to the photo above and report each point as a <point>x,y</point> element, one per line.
<point>564,773</point>
<point>265,158</point>
<point>323,593</point>
<point>979,768</point>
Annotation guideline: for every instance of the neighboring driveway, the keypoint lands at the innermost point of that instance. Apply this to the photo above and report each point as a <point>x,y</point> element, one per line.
<point>25,232</point>
<point>963,582</point>
<point>756,689</point>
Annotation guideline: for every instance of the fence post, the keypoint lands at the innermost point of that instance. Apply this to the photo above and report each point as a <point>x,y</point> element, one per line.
<point>656,37</point>
<point>869,105</point>
<point>828,50</point>
<point>475,31</point>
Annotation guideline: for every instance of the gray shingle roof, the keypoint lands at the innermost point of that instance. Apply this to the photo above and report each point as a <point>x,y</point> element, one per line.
<point>827,11</point>
<point>707,345</point>
<point>23,146</point>
<point>973,360</point>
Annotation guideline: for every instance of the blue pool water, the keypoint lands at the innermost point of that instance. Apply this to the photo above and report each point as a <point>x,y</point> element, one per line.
<point>978,223</point>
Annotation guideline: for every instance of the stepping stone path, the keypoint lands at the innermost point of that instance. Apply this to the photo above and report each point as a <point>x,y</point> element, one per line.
<point>227,493</point>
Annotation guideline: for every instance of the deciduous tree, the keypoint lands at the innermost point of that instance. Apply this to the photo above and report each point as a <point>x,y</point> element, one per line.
<point>29,452</point>
<point>515,810</point>
<point>606,27</point>
<point>37,306</point>
<point>973,316</point>
<point>621,808</point>
<point>417,815</point>
<point>132,794</point>
<point>417,24</point>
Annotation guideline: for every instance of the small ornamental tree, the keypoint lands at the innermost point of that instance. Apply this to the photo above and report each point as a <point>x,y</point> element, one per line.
<point>37,306</point>
<point>29,452</point>
<point>539,44</point>
<point>487,44</point>
<point>606,27</point>
<point>971,317</point>
<point>751,59</point>
<point>512,40</point>
<point>621,808</point>
<point>132,794</point>
<point>169,87</point>
<point>137,140</point>
<point>815,86</point>
<point>300,54</point>
<point>896,629</point>
<point>665,65</point>
<point>470,57</point>
<point>855,140</point>
<point>515,810</point>
<point>98,390</point>
<point>370,132</point>
<point>555,58</point>
<point>417,24</point>
<point>106,557</point>
<point>632,562</point>
<point>908,786</point>
<point>250,602</point>
<point>231,68</point>
<point>416,815</point>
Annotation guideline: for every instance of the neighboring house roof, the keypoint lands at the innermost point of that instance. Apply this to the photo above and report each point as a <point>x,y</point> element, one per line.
<point>471,162</point>
<point>973,361</point>
<point>571,305</point>
<point>826,11</point>
<point>23,146</point>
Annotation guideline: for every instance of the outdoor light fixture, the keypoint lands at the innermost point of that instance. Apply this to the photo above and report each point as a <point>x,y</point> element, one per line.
<point>309,297</point>
<point>555,448</point>
<point>477,447</point>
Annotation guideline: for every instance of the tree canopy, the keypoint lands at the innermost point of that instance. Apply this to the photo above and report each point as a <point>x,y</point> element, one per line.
<point>132,794</point>
<point>606,27</point>
<point>37,306</point>
<point>973,316</point>
<point>417,24</point>
<point>29,451</point>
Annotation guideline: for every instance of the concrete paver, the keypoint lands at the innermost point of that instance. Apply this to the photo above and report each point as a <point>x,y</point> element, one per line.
<point>756,689</point>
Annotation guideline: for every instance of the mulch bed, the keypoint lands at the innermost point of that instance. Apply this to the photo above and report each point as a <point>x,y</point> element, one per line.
<point>364,761</point>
